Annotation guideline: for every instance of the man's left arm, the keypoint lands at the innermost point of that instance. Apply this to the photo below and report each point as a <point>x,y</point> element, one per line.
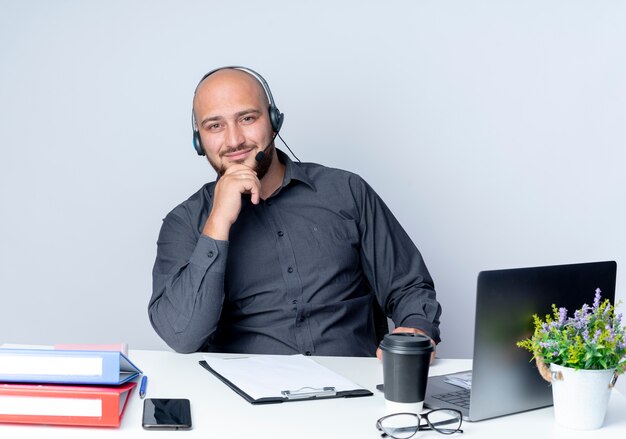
<point>394,267</point>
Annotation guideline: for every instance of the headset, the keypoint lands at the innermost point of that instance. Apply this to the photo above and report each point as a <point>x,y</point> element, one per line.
<point>276,117</point>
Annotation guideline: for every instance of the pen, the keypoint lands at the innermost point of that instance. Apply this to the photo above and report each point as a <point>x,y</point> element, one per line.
<point>142,386</point>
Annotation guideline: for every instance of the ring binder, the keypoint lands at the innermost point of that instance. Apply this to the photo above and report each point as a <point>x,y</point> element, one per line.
<point>57,366</point>
<point>310,393</point>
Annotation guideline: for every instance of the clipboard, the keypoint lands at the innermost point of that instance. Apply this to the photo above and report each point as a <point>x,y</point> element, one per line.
<point>271,379</point>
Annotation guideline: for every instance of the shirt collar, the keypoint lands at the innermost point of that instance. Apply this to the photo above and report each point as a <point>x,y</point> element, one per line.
<point>293,171</point>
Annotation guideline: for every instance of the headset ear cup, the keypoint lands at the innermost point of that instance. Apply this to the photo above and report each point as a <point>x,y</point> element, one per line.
<point>197,142</point>
<point>276,118</point>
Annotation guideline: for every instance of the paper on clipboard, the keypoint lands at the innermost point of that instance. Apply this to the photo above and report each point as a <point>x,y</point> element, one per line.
<point>270,376</point>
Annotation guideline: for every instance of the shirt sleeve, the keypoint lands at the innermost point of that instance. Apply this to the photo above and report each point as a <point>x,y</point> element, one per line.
<point>394,266</point>
<point>187,285</point>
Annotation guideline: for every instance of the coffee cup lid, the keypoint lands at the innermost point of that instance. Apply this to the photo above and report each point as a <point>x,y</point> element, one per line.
<point>406,342</point>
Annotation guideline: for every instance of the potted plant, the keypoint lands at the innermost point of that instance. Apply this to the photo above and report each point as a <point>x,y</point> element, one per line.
<point>581,356</point>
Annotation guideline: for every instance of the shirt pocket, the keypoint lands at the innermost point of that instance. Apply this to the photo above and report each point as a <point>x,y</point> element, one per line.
<point>337,238</point>
<point>330,250</point>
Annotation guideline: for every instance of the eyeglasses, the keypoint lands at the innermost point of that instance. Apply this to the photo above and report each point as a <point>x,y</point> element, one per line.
<point>405,425</point>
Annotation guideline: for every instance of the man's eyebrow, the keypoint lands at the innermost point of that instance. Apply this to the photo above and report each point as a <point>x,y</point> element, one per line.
<point>248,111</point>
<point>238,114</point>
<point>210,119</point>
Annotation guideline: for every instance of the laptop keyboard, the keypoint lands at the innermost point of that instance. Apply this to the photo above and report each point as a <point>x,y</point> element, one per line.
<point>459,397</point>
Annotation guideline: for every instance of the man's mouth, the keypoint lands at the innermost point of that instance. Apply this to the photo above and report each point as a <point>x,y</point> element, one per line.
<point>238,155</point>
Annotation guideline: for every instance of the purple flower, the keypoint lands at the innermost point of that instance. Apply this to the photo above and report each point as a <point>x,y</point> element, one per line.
<point>562,316</point>
<point>611,332</point>
<point>596,336</point>
<point>577,321</point>
<point>580,319</point>
<point>585,310</point>
<point>596,300</point>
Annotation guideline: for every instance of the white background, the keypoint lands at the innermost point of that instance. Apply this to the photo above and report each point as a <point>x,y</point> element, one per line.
<point>494,130</point>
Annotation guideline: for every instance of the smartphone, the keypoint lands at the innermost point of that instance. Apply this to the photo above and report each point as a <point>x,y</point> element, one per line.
<point>166,414</point>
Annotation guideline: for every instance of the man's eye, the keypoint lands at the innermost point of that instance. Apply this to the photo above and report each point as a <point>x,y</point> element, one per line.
<point>214,127</point>
<point>247,119</point>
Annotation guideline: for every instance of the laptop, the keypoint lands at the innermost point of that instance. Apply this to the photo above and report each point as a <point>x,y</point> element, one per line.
<point>503,380</point>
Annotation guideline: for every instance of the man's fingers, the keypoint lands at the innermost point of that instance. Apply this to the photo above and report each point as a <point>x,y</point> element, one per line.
<point>247,178</point>
<point>237,180</point>
<point>255,194</point>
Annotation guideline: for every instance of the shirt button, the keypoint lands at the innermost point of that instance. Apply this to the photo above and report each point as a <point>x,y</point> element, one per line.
<point>290,270</point>
<point>269,203</point>
<point>210,254</point>
<point>280,233</point>
<point>294,301</point>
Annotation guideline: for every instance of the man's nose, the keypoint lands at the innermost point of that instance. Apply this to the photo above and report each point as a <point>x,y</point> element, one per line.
<point>234,136</point>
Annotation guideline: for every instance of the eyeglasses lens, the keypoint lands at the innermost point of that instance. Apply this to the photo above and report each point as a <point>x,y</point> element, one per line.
<point>445,421</point>
<point>400,426</point>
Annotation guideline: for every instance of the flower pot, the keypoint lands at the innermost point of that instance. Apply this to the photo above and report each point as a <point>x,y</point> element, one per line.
<point>581,396</point>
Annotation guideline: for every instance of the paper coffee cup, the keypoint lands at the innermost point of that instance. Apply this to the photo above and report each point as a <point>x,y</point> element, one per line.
<point>406,359</point>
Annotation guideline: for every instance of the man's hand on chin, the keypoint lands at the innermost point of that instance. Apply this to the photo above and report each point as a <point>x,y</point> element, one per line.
<point>379,353</point>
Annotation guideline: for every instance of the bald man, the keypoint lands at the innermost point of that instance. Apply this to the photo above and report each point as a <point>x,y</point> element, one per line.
<point>277,257</point>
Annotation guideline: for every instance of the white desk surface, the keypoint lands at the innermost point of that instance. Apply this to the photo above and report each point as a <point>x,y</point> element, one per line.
<point>218,412</point>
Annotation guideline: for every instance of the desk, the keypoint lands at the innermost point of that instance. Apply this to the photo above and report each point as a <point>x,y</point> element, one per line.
<point>218,412</point>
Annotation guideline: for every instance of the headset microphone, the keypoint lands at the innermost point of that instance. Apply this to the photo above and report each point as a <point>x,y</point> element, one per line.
<point>261,154</point>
